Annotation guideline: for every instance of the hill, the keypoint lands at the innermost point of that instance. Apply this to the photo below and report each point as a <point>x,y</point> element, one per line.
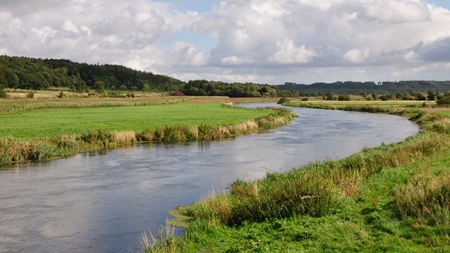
<point>38,74</point>
<point>355,88</point>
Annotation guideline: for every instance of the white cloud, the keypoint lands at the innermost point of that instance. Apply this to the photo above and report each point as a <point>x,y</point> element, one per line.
<point>287,52</point>
<point>262,40</point>
<point>356,55</point>
<point>237,60</point>
<point>397,11</point>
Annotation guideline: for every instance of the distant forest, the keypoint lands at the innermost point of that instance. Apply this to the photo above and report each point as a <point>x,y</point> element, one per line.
<point>357,88</point>
<point>40,74</point>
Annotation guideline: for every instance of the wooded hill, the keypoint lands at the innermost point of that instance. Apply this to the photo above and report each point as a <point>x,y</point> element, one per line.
<point>41,74</point>
<point>356,88</point>
<point>38,74</point>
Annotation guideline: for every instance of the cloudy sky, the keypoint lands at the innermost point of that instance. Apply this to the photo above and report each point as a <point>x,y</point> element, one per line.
<point>262,41</point>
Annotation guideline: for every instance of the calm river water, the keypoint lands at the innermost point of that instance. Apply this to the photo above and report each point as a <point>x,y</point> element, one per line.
<point>104,201</point>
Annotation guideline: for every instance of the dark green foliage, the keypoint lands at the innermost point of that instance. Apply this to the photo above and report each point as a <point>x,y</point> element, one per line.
<point>330,96</point>
<point>37,74</point>
<point>364,88</point>
<point>431,95</point>
<point>444,101</point>
<point>344,97</point>
<point>210,88</point>
<point>283,100</point>
<point>3,93</point>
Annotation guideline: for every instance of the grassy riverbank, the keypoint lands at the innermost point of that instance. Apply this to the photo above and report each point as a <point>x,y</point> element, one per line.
<point>392,198</point>
<point>50,129</point>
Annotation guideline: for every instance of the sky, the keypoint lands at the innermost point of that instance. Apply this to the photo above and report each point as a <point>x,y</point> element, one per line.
<point>260,41</point>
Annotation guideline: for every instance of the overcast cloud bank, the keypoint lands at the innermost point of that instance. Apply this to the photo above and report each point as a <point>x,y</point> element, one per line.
<point>264,41</point>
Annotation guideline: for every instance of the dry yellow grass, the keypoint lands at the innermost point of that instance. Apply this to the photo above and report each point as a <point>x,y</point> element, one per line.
<point>124,137</point>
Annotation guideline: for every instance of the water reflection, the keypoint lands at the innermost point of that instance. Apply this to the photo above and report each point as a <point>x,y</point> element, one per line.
<point>102,201</point>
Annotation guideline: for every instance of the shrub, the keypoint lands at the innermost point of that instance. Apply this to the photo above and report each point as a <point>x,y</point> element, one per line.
<point>443,101</point>
<point>3,94</point>
<point>283,100</point>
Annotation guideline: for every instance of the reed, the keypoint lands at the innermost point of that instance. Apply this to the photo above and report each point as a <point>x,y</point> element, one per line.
<point>123,137</point>
<point>215,208</point>
<point>163,241</point>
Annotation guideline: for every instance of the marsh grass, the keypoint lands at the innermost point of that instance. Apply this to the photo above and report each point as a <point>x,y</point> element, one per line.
<point>426,197</point>
<point>163,241</point>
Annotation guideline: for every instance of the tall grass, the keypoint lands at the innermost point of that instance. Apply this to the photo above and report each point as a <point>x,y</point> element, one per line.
<point>163,241</point>
<point>426,198</point>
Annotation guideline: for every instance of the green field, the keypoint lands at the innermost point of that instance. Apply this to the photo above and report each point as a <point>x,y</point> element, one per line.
<point>58,122</point>
<point>392,198</point>
<point>36,130</point>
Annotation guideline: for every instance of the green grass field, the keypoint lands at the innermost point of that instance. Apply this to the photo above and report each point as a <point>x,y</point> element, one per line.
<point>392,198</point>
<point>58,122</point>
<point>36,130</point>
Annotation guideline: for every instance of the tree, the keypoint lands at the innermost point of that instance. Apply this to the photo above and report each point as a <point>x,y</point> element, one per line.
<point>330,96</point>
<point>99,86</point>
<point>12,80</point>
<point>419,96</point>
<point>2,91</point>
<point>364,94</point>
<point>444,100</point>
<point>374,96</point>
<point>431,95</point>
<point>344,97</point>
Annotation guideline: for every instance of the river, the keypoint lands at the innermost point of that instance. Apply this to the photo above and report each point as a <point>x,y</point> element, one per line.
<point>104,201</point>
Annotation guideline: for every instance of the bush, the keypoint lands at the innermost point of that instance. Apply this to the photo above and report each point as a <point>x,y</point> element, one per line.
<point>283,100</point>
<point>3,94</point>
<point>443,101</point>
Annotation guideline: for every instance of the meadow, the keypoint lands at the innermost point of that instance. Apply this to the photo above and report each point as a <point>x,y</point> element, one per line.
<point>392,198</point>
<point>41,129</point>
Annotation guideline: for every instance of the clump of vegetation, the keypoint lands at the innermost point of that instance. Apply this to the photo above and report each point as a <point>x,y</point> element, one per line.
<point>283,100</point>
<point>30,94</point>
<point>443,101</point>
<point>426,198</point>
<point>3,93</point>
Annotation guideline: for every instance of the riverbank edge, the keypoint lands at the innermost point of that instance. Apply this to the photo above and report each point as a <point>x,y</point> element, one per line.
<point>43,149</point>
<point>347,180</point>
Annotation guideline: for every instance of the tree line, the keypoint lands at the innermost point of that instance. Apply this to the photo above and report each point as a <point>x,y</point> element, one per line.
<point>212,88</point>
<point>39,74</point>
<point>355,88</point>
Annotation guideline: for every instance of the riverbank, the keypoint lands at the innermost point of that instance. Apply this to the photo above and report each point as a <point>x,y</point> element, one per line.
<point>392,198</point>
<point>39,130</point>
